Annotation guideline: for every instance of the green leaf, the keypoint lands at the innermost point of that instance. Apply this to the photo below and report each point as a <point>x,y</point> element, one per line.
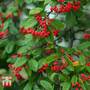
<point>86,53</point>
<point>47,1</point>
<point>2,71</point>
<point>12,8</point>
<point>28,36</point>
<point>70,20</point>
<point>20,2</point>
<point>28,40</point>
<point>28,86</point>
<point>57,24</point>
<point>11,60</point>
<point>24,74</point>
<point>23,49</point>
<point>7,23</point>
<point>35,11</point>
<point>83,86</point>
<point>1,87</point>
<point>30,22</point>
<point>66,72</point>
<point>37,52</point>
<point>20,61</point>
<point>88,68</point>
<point>9,48</point>
<point>52,76</point>
<point>47,60</point>
<point>46,85</point>
<point>80,68</point>
<point>28,1</point>
<point>70,68</point>
<point>31,1</point>
<point>66,86</point>
<point>82,60</point>
<point>84,45</point>
<point>62,77</point>
<point>33,64</point>
<point>74,79</point>
<point>36,87</point>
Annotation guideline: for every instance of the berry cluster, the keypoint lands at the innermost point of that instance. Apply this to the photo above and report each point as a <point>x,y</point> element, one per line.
<point>43,68</point>
<point>66,8</point>
<point>16,71</point>
<point>84,77</point>
<point>9,15</point>
<point>43,25</point>
<point>34,33</point>
<point>56,67</point>
<point>77,86</point>
<point>3,34</point>
<point>41,22</point>
<point>86,36</point>
<point>19,55</point>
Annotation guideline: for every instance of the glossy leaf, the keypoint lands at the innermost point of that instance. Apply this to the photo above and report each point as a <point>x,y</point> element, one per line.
<point>46,85</point>
<point>20,61</point>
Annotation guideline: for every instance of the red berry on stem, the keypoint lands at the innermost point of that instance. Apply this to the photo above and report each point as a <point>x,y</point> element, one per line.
<point>14,56</point>
<point>86,36</point>
<point>19,55</point>
<point>55,32</point>
<point>73,85</point>
<point>77,89</point>
<point>61,0</point>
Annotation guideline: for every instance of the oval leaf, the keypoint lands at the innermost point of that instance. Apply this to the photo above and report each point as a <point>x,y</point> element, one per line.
<point>20,61</point>
<point>35,11</point>
<point>33,64</point>
<point>45,84</point>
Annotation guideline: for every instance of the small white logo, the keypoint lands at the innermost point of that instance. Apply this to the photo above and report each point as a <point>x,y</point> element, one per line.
<point>6,81</point>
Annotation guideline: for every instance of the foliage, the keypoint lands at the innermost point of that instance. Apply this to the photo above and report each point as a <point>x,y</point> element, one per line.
<point>30,49</point>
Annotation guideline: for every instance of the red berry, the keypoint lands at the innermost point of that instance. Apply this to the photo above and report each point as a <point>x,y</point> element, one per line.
<point>70,57</point>
<point>55,32</point>
<point>75,8</point>
<point>86,36</point>
<point>55,68</point>
<point>73,85</point>
<point>2,34</point>
<point>83,75</point>
<point>77,83</point>
<point>55,63</point>
<point>18,69</point>
<point>77,89</point>
<point>18,76</point>
<point>62,50</point>
<point>14,56</point>
<point>43,68</point>
<point>49,51</point>
<point>61,0</point>
<point>28,56</point>
<point>10,15</point>
<point>81,89</point>
<point>19,55</point>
